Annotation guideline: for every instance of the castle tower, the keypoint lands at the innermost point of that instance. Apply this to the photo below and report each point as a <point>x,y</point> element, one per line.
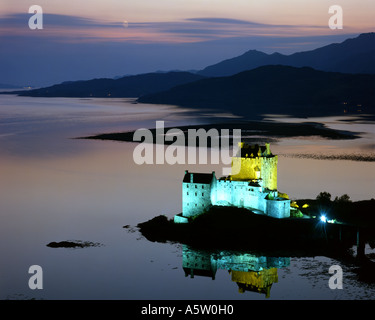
<point>254,162</point>
<point>260,281</point>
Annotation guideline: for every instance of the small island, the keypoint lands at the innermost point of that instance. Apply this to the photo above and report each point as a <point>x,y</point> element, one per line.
<point>240,229</point>
<point>270,131</point>
<point>73,244</point>
<point>245,211</point>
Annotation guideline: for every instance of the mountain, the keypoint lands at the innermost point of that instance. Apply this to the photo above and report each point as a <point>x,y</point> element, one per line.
<point>128,86</point>
<point>355,55</point>
<point>276,89</point>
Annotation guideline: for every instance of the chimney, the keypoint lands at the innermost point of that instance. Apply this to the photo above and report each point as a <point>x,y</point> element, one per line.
<point>191,178</point>
<point>268,151</point>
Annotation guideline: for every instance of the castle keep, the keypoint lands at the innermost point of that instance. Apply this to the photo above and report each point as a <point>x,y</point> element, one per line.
<point>253,185</point>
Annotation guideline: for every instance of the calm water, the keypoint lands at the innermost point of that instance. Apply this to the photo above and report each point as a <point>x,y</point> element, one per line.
<point>54,188</point>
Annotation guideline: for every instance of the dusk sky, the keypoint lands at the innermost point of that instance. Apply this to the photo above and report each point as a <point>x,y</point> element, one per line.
<point>85,39</point>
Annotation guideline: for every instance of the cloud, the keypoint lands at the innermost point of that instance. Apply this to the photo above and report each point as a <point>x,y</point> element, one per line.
<point>202,29</point>
<point>226,21</point>
<point>66,27</point>
<point>55,20</point>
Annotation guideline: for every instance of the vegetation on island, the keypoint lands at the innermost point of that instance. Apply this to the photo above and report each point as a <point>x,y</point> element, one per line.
<point>341,209</point>
<point>238,228</point>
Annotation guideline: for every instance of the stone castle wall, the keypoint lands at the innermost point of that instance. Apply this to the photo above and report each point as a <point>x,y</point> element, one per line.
<point>245,169</point>
<point>199,197</point>
<point>196,198</point>
<point>238,194</point>
<point>278,208</point>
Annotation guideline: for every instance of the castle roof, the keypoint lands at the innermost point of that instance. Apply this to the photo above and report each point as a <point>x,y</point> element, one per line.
<point>204,178</point>
<point>251,151</point>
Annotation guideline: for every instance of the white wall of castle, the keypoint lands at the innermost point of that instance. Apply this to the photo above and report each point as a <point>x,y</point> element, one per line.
<point>197,198</point>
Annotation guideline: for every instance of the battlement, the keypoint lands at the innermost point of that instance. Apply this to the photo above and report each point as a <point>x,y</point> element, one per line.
<point>253,151</point>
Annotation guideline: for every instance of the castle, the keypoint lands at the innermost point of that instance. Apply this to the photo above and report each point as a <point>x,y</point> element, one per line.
<point>253,186</point>
<point>250,272</point>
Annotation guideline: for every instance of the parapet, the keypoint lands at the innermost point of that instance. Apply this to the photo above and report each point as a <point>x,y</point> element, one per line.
<point>253,151</point>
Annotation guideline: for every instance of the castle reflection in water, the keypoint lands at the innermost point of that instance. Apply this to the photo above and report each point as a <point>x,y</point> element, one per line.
<point>250,272</point>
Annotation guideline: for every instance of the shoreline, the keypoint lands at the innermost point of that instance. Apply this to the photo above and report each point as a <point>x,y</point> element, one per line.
<point>252,131</point>
<point>240,229</point>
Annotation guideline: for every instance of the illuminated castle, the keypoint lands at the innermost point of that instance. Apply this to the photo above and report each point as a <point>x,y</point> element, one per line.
<point>253,186</point>
<point>250,272</point>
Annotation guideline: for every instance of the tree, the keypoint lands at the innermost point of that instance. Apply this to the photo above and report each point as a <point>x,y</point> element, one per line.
<point>323,197</point>
<point>343,199</point>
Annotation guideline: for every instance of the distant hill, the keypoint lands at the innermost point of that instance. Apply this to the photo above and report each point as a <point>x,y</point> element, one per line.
<point>128,86</point>
<point>329,80</point>
<point>355,55</point>
<point>276,89</point>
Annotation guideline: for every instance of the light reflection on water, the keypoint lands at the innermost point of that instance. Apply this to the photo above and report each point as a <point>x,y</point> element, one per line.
<point>253,273</point>
<point>57,188</point>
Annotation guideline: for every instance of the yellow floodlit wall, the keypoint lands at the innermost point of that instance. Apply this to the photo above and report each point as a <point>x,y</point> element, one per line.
<point>245,166</point>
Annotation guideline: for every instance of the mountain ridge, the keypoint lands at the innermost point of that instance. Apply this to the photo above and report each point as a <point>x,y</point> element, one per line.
<point>124,87</point>
<point>335,57</point>
<point>275,89</point>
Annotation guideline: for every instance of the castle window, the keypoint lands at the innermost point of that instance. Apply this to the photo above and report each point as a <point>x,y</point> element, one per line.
<point>195,194</point>
<point>187,193</point>
<point>195,204</point>
<point>195,186</point>
<point>187,186</point>
<point>202,194</point>
<point>202,187</point>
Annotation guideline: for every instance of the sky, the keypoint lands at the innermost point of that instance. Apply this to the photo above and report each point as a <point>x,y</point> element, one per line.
<point>85,39</point>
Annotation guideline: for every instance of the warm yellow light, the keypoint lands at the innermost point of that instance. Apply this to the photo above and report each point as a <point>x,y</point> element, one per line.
<point>294,204</point>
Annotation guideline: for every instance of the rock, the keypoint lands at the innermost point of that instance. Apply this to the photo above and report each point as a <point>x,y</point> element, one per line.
<point>73,244</point>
